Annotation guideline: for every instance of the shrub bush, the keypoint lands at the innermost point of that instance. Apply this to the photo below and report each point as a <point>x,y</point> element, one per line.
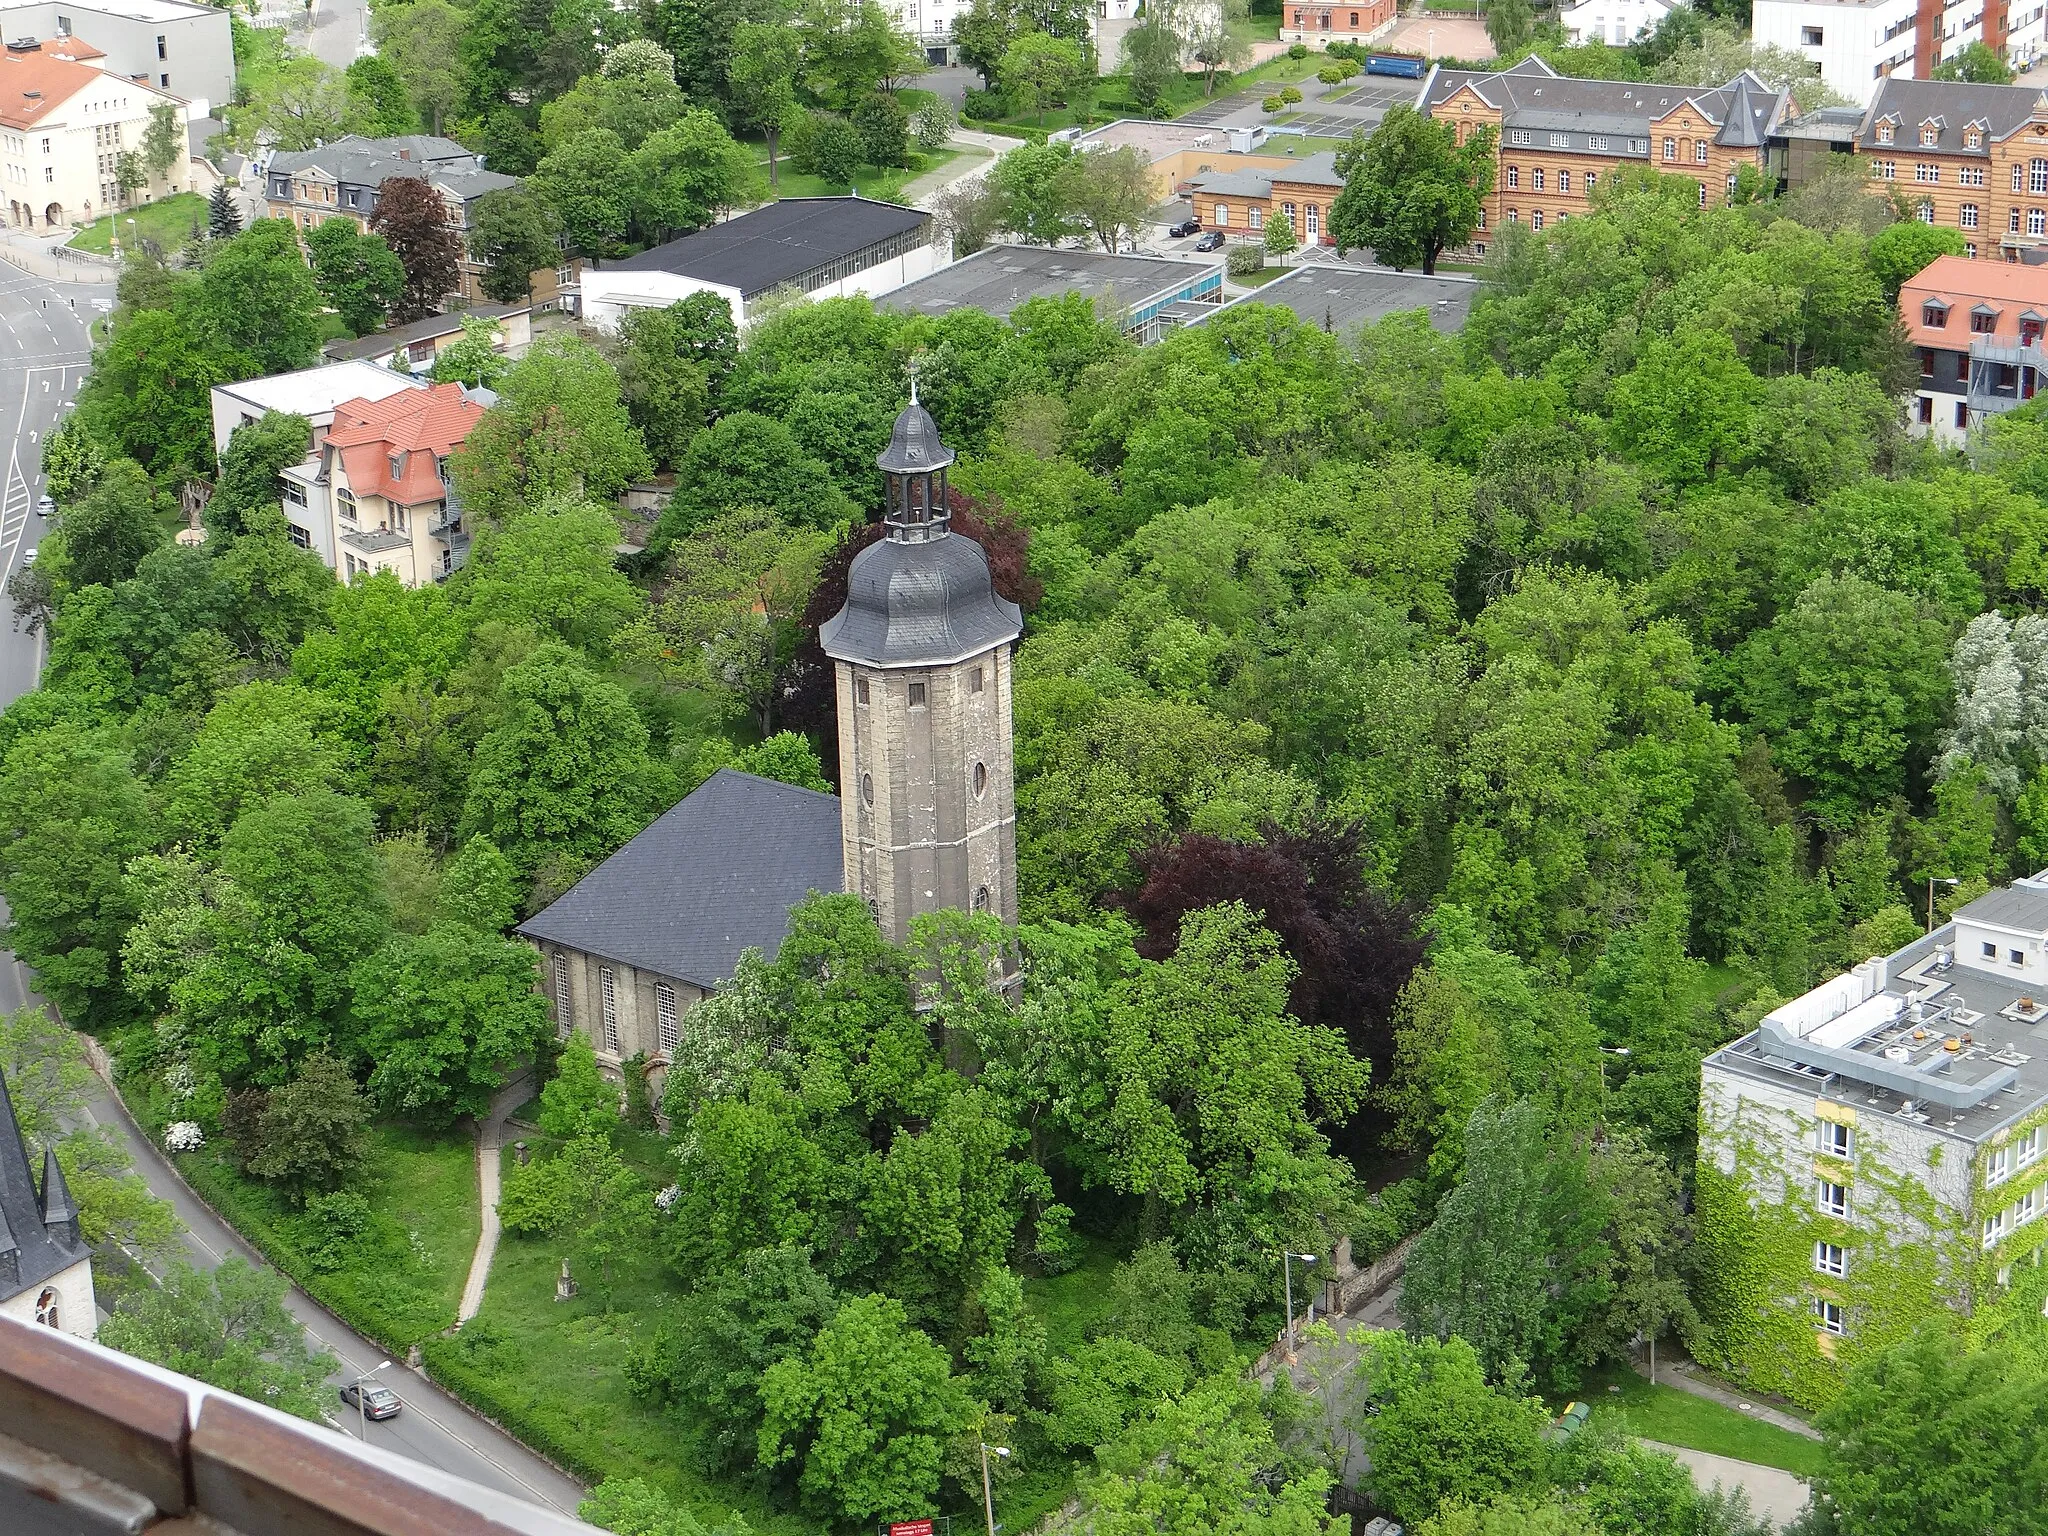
<point>1272,103</point>
<point>1244,260</point>
<point>986,106</point>
<point>1298,51</point>
<point>1330,74</point>
<point>1290,94</point>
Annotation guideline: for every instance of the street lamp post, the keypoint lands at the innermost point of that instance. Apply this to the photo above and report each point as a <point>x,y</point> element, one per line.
<point>988,1492</point>
<point>1287,1258</point>
<point>362,1406</point>
<point>1607,1050</point>
<point>1932,882</point>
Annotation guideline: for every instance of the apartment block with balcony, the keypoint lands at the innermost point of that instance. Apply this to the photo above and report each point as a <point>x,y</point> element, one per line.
<point>1976,327</point>
<point>1872,1155</point>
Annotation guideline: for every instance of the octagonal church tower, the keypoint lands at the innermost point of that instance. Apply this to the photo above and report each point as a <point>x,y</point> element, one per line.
<point>921,653</point>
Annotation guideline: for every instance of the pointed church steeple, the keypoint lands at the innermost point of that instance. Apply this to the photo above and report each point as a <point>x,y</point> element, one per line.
<point>60,1214</point>
<point>40,1247</point>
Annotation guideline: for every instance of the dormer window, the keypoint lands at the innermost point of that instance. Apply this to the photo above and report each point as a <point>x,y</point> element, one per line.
<point>1930,135</point>
<point>1934,315</point>
<point>397,466</point>
<point>1885,133</point>
<point>1983,320</point>
<point>1973,137</point>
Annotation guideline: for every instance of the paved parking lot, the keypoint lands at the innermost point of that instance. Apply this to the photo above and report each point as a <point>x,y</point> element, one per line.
<point>1376,92</point>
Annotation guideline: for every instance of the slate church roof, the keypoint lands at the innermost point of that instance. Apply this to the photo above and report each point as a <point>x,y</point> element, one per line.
<point>714,875</point>
<point>38,1231</point>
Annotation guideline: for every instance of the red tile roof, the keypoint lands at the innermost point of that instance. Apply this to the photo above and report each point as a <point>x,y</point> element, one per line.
<point>34,84</point>
<point>2006,286</point>
<point>411,430</point>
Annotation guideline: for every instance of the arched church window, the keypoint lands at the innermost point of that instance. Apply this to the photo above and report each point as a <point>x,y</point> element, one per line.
<point>867,789</point>
<point>46,1308</point>
<point>981,898</point>
<point>980,780</point>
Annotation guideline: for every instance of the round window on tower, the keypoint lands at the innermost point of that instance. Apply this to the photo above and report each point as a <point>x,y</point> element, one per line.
<point>867,789</point>
<point>980,780</point>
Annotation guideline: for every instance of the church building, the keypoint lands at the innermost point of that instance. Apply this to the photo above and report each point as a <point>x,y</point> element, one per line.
<point>45,1266</point>
<point>926,822</point>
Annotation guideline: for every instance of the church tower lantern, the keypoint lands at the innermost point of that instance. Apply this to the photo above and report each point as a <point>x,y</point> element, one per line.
<point>921,653</point>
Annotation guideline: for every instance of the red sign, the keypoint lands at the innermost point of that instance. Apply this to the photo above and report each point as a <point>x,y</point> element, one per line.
<point>911,1528</point>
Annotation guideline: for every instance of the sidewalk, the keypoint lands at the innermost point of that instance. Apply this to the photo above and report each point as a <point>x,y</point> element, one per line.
<point>1777,1495</point>
<point>978,152</point>
<point>490,1146</point>
<point>1686,1377</point>
<point>36,256</point>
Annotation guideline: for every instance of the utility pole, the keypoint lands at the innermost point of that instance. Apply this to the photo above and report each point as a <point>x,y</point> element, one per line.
<point>362,1403</point>
<point>1287,1258</point>
<point>988,1493</point>
<point>1932,882</point>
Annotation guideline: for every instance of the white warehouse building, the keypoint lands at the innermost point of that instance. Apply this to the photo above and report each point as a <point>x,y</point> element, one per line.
<point>820,247</point>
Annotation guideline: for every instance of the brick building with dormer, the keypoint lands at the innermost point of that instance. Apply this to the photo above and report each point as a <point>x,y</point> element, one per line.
<point>1967,157</point>
<point>1559,136</point>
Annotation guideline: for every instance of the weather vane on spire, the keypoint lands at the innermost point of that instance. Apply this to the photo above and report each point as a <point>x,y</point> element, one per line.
<point>911,368</point>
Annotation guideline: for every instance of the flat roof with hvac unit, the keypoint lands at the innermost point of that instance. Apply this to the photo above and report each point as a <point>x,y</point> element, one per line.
<point>1341,299</point>
<point>998,279</point>
<point>1951,1031</point>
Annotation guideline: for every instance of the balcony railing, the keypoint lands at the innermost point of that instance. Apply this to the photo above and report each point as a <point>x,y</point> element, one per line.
<point>94,1442</point>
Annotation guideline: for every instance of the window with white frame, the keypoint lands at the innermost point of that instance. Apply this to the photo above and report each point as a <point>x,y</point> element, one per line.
<point>1255,216</point>
<point>1836,1139</point>
<point>1536,179</point>
<point>1884,170</point>
<point>2037,222</point>
<point>1671,149</point>
<point>1515,176</point>
<point>1996,1226</point>
<point>564,1018</point>
<point>1968,217</point>
<point>1929,135</point>
<point>1997,1166</point>
<point>2027,1148</point>
<point>1925,212</point>
<point>609,991</point>
<point>667,1029</point>
<point>1830,1258</point>
<point>1923,171</point>
<point>1970,175</point>
<point>1827,1316</point>
<point>1560,141</point>
<point>1699,152</point>
<point>1536,219</point>
<point>1833,1199</point>
<point>2037,175</point>
<point>1518,136</point>
<point>2026,1208</point>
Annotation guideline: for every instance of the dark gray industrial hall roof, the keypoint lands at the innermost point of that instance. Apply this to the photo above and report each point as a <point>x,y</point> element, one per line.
<point>920,604</point>
<point>778,243</point>
<point>713,876</point>
<point>38,1232</point>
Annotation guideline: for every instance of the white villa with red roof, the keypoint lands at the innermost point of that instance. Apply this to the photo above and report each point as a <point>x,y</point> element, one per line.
<point>64,123</point>
<point>383,466</point>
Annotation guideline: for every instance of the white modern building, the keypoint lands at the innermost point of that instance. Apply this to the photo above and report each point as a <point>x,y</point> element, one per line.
<point>819,247</point>
<point>1615,22</point>
<point>64,125</point>
<point>1851,44</point>
<point>930,22</point>
<point>1871,1157</point>
<point>185,49</point>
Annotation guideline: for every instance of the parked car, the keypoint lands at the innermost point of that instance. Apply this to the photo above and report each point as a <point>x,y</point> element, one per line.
<point>1212,241</point>
<point>1184,228</point>
<point>375,1402</point>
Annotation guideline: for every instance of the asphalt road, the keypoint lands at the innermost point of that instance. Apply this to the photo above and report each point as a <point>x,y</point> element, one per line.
<point>43,353</point>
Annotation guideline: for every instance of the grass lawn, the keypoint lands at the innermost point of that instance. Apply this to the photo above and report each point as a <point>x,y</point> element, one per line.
<point>553,1373</point>
<point>1679,1418</point>
<point>883,183</point>
<point>1259,278</point>
<point>403,1278</point>
<point>168,222</point>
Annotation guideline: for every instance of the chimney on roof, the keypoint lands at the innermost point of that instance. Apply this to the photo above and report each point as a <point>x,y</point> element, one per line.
<point>404,153</point>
